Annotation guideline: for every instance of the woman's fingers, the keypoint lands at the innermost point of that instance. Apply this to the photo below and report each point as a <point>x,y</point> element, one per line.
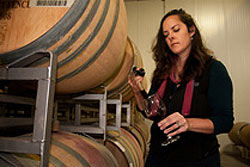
<point>169,120</point>
<point>171,128</point>
<point>135,82</point>
<point>173,124</point>
<point>180,130</point>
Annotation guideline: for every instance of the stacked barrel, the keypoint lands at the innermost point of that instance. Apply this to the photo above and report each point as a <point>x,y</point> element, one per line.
<point>240,134</point>
<point>93,50</point>
<point>66,149</point>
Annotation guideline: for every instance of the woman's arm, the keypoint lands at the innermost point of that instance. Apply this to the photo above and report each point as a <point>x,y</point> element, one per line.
<point>220,98</point>
<point>139,92</point>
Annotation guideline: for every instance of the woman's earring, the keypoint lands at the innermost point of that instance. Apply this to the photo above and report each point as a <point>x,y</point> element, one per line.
<point>191,38</point>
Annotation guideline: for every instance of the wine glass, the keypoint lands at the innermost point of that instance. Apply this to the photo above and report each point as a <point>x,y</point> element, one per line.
<point>155,107</point>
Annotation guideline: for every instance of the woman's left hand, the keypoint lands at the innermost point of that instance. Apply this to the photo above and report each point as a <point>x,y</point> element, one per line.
<point>174,123</point>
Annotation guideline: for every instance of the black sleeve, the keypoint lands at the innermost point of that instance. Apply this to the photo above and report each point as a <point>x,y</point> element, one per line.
<point>220,98</point>
<point>144,94</point>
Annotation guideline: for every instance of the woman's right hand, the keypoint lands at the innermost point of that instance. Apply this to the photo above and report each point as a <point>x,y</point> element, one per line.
<point>135,82</point>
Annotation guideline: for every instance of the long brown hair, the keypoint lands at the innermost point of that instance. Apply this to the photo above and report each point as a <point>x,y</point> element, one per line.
<point>164,57</point>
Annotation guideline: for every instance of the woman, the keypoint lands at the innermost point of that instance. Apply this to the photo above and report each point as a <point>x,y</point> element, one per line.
<point>197,91</point>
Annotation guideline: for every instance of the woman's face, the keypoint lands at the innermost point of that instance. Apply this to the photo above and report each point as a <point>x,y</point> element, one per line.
<point>177,36</point>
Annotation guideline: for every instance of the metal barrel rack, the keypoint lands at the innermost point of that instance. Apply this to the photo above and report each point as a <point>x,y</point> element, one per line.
<point>102,127</point>
<point>18,70</point>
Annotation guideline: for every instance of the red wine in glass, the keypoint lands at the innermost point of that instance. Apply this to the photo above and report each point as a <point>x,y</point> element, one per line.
<point>155,107</point>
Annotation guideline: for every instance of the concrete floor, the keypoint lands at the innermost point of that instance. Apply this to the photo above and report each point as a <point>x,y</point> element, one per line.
<point>234,156</point>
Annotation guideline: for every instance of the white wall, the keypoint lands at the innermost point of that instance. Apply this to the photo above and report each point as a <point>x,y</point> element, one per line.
<point>225,26</point>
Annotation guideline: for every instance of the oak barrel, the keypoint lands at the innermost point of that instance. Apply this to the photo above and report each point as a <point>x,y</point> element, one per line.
<point>139,137</point>
<point>67,149</point>
<point>143,128</point>
<point>235,132</point>
<point>88,37</point>
<point>119,82</point>
<point>125,148</point>
<point>245,136</point>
